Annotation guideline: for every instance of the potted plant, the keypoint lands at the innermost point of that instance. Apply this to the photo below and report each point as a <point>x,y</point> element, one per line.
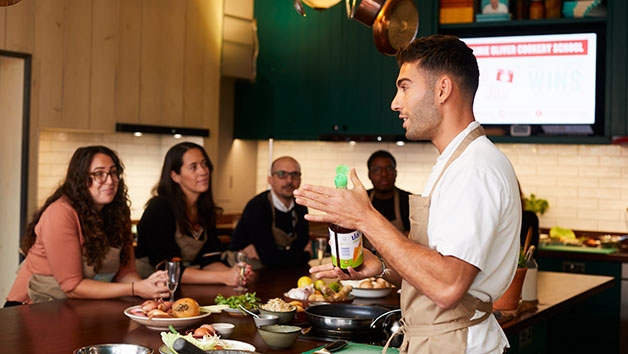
<point>510,299</point>
<point>538,206</point>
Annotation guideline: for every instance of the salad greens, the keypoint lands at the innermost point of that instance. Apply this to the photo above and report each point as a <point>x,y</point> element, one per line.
<point>206,343</point>
<point>249,301</point>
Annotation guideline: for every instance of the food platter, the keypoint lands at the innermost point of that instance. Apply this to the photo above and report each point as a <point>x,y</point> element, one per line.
<point>161,324</point>
<point>231,345</point>
<point>307,303</point>
<point>370,293</point>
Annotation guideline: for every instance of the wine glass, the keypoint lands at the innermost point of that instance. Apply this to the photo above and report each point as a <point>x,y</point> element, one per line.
<point>241,263</point>
<point>321,246</point>
<point>174,269</point>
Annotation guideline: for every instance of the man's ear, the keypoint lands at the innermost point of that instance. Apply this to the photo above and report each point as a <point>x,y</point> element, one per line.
<point>175,177</point>
<point>270,180</point>
<point>444,88</point>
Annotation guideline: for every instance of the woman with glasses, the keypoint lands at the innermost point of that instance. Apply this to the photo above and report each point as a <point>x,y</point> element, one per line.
<point>272,229</point>
<point>79,244</point>
<point>179,222</point>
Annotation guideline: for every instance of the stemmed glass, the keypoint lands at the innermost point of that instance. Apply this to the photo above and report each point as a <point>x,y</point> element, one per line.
<point>241,263</point>
<point>321,246</point>
<point>174,269</point>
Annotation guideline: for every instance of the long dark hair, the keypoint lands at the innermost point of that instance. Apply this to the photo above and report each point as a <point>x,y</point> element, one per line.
<point>111,227</point>
<point>171,190</point>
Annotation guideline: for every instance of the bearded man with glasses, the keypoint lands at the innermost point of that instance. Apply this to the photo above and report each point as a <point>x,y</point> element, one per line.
<point>272,229</point>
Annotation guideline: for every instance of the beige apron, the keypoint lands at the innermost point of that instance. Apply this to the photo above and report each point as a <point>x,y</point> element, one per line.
<point>283,240</point>
<point>428,328</point>
<point>397,221</point>
<point>43,288</point>
<point>189,247</point>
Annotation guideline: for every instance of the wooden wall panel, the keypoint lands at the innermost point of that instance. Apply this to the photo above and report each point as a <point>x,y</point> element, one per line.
<point>48,65</point>
<point>150,63</point>
<point>172,49</point>
<point>128,71</point>
<point>3,27</point>
<point>20,27</point>
<point>195,40</point>
<point>103,69</point>
<point>77,58</point>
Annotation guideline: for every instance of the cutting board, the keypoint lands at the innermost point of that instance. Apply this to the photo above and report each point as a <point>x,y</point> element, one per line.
<point>561,248</point>
<point>357,348</point>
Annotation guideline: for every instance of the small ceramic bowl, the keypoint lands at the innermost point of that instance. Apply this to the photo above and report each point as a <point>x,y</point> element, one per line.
<point>114,348</point>
<point>224,329</point>
<point>284,317</point>
<point>265,320</point>
<point>278,336</point>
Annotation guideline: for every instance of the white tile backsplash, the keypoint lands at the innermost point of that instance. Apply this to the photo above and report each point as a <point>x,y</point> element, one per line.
<point>142,157</point>
<point>586,185</point>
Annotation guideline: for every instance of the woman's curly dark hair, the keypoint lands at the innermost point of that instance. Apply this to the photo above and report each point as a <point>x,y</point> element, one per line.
<point>207,210</point>
<point>111,227</point>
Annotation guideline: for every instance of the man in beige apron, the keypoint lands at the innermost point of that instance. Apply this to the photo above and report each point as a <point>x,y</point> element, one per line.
<point>389,200</point>
<point>463,245</point>
<point>272,230</point>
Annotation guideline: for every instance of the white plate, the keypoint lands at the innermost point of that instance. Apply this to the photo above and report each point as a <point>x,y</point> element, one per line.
<point>366,293</point>
<point>231,344</point>
<point>161,324</point>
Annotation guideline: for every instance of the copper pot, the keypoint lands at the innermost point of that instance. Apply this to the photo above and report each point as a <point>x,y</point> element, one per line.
<point>367,10</point>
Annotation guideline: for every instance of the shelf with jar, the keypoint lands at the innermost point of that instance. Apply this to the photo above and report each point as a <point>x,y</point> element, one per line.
<point>464,13</point>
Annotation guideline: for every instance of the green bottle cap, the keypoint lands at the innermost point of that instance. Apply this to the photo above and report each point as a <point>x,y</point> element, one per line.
<point>341,176</point>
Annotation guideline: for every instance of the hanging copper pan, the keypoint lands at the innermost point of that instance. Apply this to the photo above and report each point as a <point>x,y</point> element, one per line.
<point>396,25</point>
<point>366,11</point>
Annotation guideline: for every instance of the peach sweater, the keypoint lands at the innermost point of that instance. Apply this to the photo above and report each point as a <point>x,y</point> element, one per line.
<point>58,251</point>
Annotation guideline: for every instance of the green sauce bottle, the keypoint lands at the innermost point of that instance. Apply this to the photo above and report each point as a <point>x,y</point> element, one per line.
<point>346,244</point>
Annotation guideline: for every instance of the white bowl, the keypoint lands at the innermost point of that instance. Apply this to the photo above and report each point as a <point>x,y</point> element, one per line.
<point>224,329</point>
<point>161,324</point>
<point>366,292</point>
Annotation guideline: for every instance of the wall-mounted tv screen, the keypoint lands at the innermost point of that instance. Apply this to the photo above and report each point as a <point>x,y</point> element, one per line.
<point>548,79</point>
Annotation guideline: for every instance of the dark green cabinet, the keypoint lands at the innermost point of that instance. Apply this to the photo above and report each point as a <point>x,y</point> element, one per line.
<point>617,76</point>
<point>318,75</point>
<point>593,325</point>
<point>321,75</point>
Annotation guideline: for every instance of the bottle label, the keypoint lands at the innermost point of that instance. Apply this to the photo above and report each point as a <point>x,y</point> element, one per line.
<point>346,249</point>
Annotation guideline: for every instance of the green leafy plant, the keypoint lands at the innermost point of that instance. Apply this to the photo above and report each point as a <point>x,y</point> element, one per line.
<point>522,260</point>
<point>533,204</point>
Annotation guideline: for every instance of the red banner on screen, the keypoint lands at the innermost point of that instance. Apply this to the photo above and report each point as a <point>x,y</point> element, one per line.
<point>530,49</point>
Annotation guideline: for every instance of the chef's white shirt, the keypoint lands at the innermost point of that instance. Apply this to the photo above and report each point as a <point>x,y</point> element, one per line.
<point>475,215</point>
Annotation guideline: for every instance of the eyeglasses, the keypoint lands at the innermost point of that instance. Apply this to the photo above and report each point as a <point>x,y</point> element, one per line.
<point>377,170</point>
<point>101,176</point>
<point>285,174</point>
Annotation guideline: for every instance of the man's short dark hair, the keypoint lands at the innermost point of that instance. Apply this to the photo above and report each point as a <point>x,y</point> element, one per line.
<point>381,153</point>
<point>443,54</point>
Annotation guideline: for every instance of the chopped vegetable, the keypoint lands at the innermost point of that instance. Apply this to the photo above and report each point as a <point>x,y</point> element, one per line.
<point>172,329</point>
<point>206,343</point>
<point>248,301</point>
<point>562,233</point>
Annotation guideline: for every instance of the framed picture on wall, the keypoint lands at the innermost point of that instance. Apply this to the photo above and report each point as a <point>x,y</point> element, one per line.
<point>494,7</point>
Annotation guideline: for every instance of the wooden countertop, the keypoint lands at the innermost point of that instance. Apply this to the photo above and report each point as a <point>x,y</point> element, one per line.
<point>62,326</point>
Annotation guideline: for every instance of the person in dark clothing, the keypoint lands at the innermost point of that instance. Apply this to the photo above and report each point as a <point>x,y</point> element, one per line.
<point>272,229</point>
<point>389,200</point>
<point>180,221</point>
<point>530,220</point>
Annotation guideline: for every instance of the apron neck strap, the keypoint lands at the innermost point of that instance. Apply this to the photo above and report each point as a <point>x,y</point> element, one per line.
<point>474,134</point>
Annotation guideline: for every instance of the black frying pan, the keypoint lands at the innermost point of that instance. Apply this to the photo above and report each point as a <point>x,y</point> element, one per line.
<point>343,317</point>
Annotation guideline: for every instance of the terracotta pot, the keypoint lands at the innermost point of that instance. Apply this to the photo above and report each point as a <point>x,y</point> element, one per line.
<point>510,299</point>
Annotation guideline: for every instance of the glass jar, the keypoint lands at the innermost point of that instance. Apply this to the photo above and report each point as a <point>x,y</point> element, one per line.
<point>537,9</point>
<point>552,8</point>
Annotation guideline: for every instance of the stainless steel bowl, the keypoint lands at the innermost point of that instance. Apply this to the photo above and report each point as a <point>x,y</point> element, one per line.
<point>114,349</point>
